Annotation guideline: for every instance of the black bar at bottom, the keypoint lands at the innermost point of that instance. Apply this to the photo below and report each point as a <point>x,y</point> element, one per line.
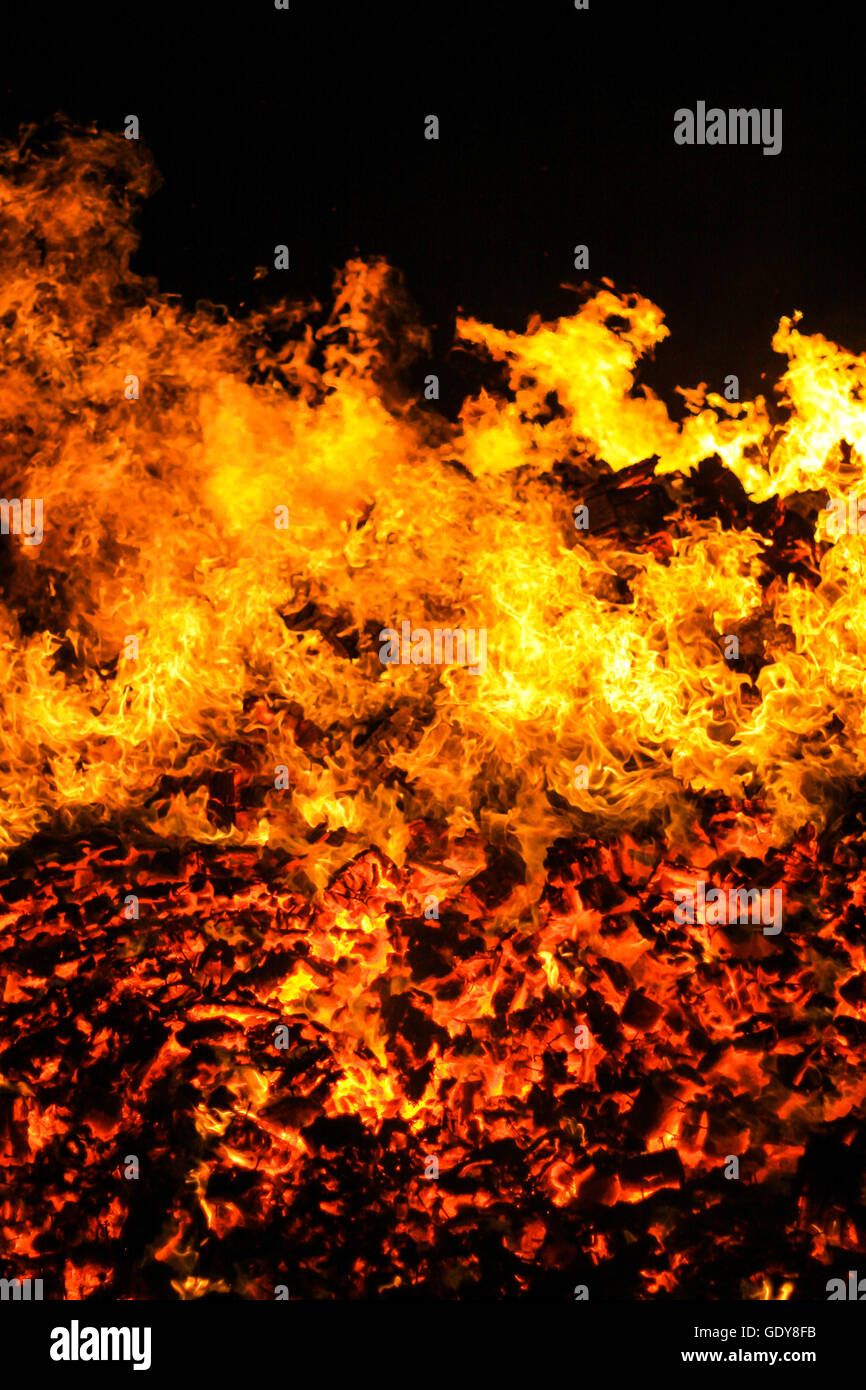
<point>226,1342</point>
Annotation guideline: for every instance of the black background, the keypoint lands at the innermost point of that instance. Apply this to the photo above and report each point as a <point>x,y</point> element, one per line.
<point>306,127</point>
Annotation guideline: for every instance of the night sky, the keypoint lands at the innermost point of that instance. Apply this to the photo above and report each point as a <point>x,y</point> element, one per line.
<point>306,127</point>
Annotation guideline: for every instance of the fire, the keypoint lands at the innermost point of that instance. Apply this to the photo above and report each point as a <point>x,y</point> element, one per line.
<point>400,863</point>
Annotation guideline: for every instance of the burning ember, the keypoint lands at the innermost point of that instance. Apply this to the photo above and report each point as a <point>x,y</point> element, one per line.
<point>340,963</point>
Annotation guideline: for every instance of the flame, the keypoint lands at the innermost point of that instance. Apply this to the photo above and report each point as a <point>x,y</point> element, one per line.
<point>604,653</point>
<point>256,647</point>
